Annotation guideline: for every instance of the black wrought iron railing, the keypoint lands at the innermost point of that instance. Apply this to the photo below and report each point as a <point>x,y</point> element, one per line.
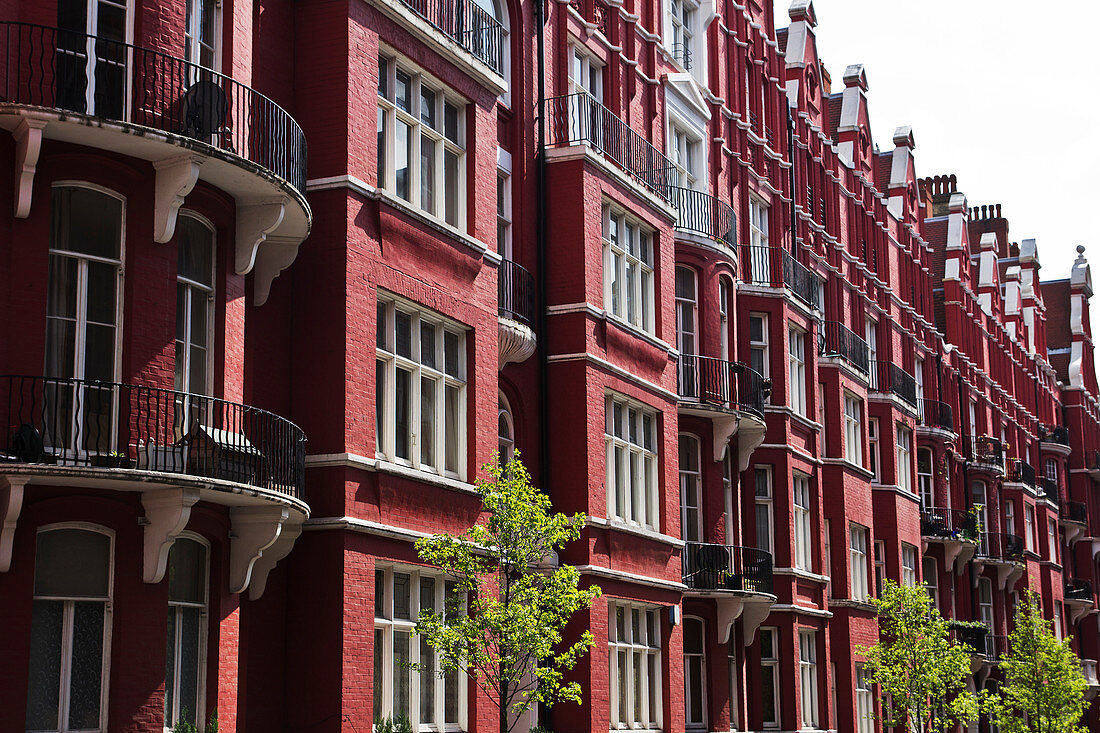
<point>996,647</point>
<point>76,422</point>
<point>988,452</point>
<point>946,523</point>
<point>580,118</point>
<point>727,567</point>
<point>515,292</point>
<point>935,414</point>
<point>1049,488</point>
<point>886,376</point>
<point>776,267</point>
<point>971,636</point>
<point>1000,546</point>
<point>721,383</point>
<point>1078,589</point>
<point>698,212</point>
<point>62,69</point>
<point>1023,472</point>
<point>1054,434</point>
<point>1075,511</point>
<point>467,24</point>
<point>681,52</point>
<point>836,339</point>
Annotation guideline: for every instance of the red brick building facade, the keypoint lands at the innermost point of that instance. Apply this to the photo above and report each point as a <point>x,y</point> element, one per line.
<point>651,246</point>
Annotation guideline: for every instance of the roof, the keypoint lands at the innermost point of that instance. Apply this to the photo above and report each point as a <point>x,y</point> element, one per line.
<point>1056,298</point>
<point>781,39</point>
<point>833,103</point>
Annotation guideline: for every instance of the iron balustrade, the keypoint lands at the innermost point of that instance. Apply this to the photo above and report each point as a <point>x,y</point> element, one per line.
<point>62,69</point>
<point>681,52</point>
<point>698,212</point>
<point>996,647</point>
<point>947,523</point>
<point>886,376</point>
<point>728,384</point>
<point>935,414</point>
<point>1024,472</point>
<point>775,267</point>
<point>77,422</point>
<point>515,292</point>
<point>973,637</point>
<point>989,452</point>
<point>1050,489</point>
<point>1078,589</point>
<point>727,567</point>
<point>836,339</point>
<point>467,24</point>
<point>1075,511</point>
<point>1000,546</point>
<point>1054,434</point>
<point>579,118</point>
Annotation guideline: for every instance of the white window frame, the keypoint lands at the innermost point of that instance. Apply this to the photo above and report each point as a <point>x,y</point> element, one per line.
<point>803,542</point>
<point>903,467</point>
<point>1010,516</point>
<point>690,693</point>
<point>1030,536</point>
<point>585,74</point>
<point>506,430</point>
<point>807,675</point>
<point>909,559</point>
<point>68,612</point>
<point>685,150</point>
<point>1050,469</point>
<point>796,349</point>
<point>1052,540</point>
<point>683,21</point>
<point>691,490</point>
<point>769,664</point>
<point>865,702</point>
<point>874,450</point>
<point>634,439</point>
<point>725,305</point>
<point>628,252</point>
<point>926,479</point>
<point>763,488</point>
<point>930,572</point>
<point>626,651</point>
<point>857,543</point>
<point>504,204</point>
<point>758,349</point>
<point>419,130</point>
<point>735,675</point>
<point>194,289</point>
<point>388,361</point>
<point>687,311</point>
<point>853,429</point>
<point>1059,614</point>
<point>204,628</point>
<point>388,625</point>
<point>871,332</point>
<point>880,566</point>
<point>91,58</point>
<point>758,222</point>
<point>985,603</point>
<point>193,29</point>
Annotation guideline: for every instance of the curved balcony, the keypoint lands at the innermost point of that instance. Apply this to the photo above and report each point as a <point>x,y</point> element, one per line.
<point>1057,436</point>
<point>739,578</point>
<point>699,213</point>
<point>1074,520</point>
<point>175,448</point>
<point>516,313</point>
<point>954,529</point>
<point>837,340</point>
<point>886,376</point>
<point>988,455</point>
<point>1002,552</point>
<point>775,267</point>
<point>935,415</point>
<point>190,122</point>
<point>1078,598</point>
<point>731,395</point>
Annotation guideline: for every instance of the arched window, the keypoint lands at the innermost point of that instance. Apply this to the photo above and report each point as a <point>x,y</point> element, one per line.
<point>695,673</point>
<point>194,304</point>
<point>505,430</point>
<point>691,494</point>
<point>82,316</point>
<point>184,665</point>
<point>925,478</point>
<point>70,620</point>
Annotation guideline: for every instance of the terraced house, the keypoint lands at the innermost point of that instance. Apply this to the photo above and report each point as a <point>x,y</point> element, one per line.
<point>650,245</point>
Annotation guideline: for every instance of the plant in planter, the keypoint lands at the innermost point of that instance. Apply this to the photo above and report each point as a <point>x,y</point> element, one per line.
<point>396,724</point>
<point>114,459</point>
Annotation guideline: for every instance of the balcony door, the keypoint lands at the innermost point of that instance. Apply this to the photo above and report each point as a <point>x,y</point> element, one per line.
<point>686,337</point>
<point>82,320</point>
<point>92,57</point>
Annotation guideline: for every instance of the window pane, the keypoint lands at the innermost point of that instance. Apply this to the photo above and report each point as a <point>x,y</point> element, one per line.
<point>44,677</point>
<point>170,669</point>
<point>427,683</point>
<point>194,253</point>
<point>379,403</point>
<point>381,146</point>
<point>379,594</point>
<point>450,697</point>
<point>427,421</point>
<point>190,619</point>
<point>403,96</point>
<point>402,155</point>
<point>187,571</point>
<point>427,107</point>
<point>378,692</point>
<point>86,221</point>
<point>427,344</point>
<point>402,606</point>
<point>451,123</point>
<point>402,397</point>
<point>451,184</point>
<point>72,563</point>
<point>403,322</point>
<point>427,173</point>
<point>451,427</point>
<point>87,664</point>
<point>452,354</point>
<point>400,672</point>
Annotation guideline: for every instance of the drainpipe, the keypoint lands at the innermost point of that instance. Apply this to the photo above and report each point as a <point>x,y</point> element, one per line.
<point>969,447</point>
<point>540,246</point>
<point>790,174</point>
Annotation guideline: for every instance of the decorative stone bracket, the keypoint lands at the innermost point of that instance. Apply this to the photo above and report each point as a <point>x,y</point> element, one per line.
<point>28,144</point>
<point>175,179</point>
<point>515,341</point>
<point>254,530</point>
<point>271,556</point>
<point>166,514</point>
<point>11,504</point>
<point>266,244</point>
<point>752,611</point>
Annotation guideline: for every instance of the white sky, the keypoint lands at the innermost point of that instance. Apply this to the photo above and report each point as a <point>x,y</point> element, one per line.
<point>1003,93</point>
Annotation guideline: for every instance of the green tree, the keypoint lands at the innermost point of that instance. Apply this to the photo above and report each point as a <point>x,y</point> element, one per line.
<point>1043,689</point>
<point>509,637</point>
<point>917,664</point>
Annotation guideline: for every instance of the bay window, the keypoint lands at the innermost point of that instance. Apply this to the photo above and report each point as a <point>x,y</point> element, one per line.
<point>627,269</point>
<point>631,440</point>
<point>427,699</point>
<point>634,642</point>
<point>421,141</point>
<point>70,629</point>
<point>420,383</point>
<point>185,663</point>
